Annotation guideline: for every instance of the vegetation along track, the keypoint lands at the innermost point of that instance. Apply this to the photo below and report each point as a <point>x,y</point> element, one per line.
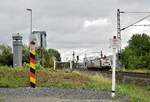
<point>142,79</point>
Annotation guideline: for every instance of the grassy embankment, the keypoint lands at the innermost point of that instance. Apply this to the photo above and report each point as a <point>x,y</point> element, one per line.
<point>48,78</point>
<point>137,70</point>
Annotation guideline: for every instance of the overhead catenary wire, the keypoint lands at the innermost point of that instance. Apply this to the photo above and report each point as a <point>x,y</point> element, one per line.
<point>133,12</point>
<point>135,22</point>
<point>143,25</point>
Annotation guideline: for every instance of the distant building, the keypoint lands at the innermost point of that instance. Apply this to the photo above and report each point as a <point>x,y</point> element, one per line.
<point>41,39</point>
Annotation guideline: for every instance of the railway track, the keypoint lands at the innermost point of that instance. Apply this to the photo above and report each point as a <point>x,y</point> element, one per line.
<point>142,79</point>
<point>132,74</point>
<point>135,74</point>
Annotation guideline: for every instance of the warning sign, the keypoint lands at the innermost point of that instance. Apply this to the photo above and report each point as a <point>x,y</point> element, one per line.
<point>115,42</point>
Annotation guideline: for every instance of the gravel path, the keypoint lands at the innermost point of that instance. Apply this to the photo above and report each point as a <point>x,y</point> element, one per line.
<point>55,95</point>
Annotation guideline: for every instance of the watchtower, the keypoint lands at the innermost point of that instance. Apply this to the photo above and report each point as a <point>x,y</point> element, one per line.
<point>17,50</point>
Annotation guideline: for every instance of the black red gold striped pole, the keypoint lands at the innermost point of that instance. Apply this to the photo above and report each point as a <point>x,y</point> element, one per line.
<point>32,65</point>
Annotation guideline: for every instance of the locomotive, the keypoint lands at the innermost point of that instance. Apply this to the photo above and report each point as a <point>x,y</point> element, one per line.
<point>102,63</point>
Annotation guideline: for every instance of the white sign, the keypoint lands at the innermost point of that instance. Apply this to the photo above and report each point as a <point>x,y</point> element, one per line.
<point>115,42</point>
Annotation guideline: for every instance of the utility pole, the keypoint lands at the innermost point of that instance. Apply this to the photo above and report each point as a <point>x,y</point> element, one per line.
<point>30,10</point>
<point>73,55</point>
<point>119,36</point>
<point>77,66</point>
<point>101,54</point>
<point>85,59</point>
<point>118,24</point>
<point>119,29</point>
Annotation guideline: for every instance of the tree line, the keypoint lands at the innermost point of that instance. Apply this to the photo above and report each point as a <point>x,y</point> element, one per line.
<point>6,56</point>
<point>134,56</point>
<point>137,54</point>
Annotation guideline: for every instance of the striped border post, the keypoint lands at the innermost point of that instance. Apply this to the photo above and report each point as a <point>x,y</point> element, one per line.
<point>32,65</point>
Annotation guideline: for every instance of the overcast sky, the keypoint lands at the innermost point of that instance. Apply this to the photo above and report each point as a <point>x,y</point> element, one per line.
<point>80,25</point>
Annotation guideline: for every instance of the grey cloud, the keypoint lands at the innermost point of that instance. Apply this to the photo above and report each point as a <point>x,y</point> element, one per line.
<point>63,20</point>
<point>74,8</point>
<point>61,24</point>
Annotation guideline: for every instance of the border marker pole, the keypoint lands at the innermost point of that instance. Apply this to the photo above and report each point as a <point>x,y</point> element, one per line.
<point>32,65</point>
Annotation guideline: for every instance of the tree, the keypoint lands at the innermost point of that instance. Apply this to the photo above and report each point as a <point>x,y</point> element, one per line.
<point>25,54</point>
<point>47,58</point>
<point>137,53</point>
<point>140,44</point>
<point>54,53</point>
<point>6,56</point>
<point>49,55</point>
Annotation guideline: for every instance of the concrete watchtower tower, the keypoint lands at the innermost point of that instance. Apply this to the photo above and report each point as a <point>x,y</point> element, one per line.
<point>17,50</point>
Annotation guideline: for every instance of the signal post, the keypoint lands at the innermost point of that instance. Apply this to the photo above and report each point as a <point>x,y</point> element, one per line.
<point>115,44</point>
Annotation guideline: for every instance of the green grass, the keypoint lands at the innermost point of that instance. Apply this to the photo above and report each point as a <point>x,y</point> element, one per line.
<point>135,93</point>
<point>10,77</point>
<point>137,70</point>
<point>19,77</point>
<point>73,80</point>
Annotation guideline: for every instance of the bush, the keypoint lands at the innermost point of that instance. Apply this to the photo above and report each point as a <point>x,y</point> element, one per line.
<point>137,54</point>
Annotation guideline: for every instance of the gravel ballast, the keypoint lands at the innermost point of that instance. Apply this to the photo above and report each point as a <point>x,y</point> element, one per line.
<point>56,93</point>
